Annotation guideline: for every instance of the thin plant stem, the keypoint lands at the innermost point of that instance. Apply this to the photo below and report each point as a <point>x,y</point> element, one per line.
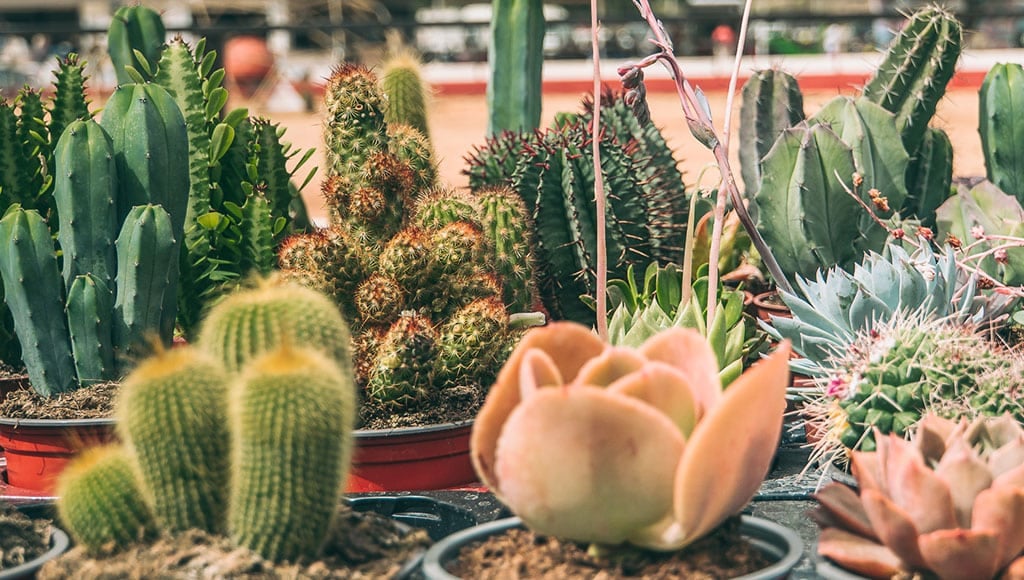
<point>602,249</point>
<point>719,215</point>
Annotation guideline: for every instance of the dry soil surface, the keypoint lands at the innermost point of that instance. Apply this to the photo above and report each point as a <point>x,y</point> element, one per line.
<point>458,122</point>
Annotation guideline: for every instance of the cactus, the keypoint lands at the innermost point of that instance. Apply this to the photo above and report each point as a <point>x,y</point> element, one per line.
<point>248,323</point>
<point>69,102</point>
<point>101,501</point>
<point>986,209</point>
<point>771,103</point>
<point>441,206</point>
<point>355,125</point>
<point>915,70</point>
<point>379,299</point>
<point>929,177</point>
<point>515,59</point>
<point>406,258</point>
<point>412,147</point>
<point>135,28</point>
<point>1002,138</point>
<point>473,343</point>
<point>89,303</point>
<point>292,413</point>
<point>172,414</point>
<point>495,162</point>
<point>509,233</point>
<point>406,91</point>
<point>906,367</point>
<point>403,364</point>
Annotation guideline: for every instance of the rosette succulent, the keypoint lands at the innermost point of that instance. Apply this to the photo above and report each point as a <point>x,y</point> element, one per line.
<point>948,503</point>
<point>610,445</point>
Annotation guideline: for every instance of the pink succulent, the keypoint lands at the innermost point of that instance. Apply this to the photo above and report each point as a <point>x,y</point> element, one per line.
<point>951,501</point>
<point>603,444</point>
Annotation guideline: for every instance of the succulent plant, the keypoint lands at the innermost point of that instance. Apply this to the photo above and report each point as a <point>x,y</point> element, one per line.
<point>355,125</point>
<point>901,369</point>
<point>135,28</point>
<point>929,177</point>
<point>516,57</point>
<point>571,421</point>
<point>402,82</point>
<point>1001,102</point>
<point>948,503</point>
<point>836,306</point>
<point>771,103</point>
<point>984,210</point>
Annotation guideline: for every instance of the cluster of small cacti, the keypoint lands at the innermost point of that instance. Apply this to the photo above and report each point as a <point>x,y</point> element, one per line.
<point>127,174</point>
<point>892,375</point>
<point>251,438</point>
<point>427,275</point>
<point>552,171</point>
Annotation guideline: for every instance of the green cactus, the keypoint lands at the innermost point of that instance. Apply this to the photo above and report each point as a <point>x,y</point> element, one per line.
<point>135,28</point>
<point>406,91</point>
<point>459,247</point>
<point>990,211</point>
<point>69,101</point>
<point>403,364</point>
<point>250,322</point>
<point>412,147</point>
<point>355,125</point>
<point>16,181</point>
<point>1002,136</point>
<point>441,206</point>
<point>172,414</point>
<point>496,162</point>
<point>509,232</point>
<point>915,71</point>
<point>101,501</point>
<point>89,304</point>
<point>906,367</point>
<point>407,258</point>
<point>472,344</point>
<point>292,414</point>
<point>516,58</point>
<point>379,299</point>
<point>929,177</point>
<point>771,103</point>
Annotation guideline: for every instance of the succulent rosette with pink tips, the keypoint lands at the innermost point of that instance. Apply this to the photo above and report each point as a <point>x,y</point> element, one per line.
<point>949,502</point>
<point>608,445</point>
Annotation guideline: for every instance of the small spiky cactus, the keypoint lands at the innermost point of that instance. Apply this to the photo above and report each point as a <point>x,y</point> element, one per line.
<point>379,299</point>
<point>402,82</point>
<point>403,364</point>
<point>355,126</point>
<point>509,230</point>
<point>473,343</point>
<point>101,500</point>
<point>904,368</point>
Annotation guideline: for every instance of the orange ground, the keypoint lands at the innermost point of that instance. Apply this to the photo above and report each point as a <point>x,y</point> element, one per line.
<point>457,123</point>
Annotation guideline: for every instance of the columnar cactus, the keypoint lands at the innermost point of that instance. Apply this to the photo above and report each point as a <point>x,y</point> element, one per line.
<point>929,177</point>
<point>516,57</point>
<point>135,28</point>
<point>771,103</point>
<point>1002,137</point>
<point>355,125</point>
<point>403,84</point>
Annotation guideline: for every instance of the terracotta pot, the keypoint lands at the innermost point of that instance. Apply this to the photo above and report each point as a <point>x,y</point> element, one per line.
<point>38,449</point>
<point>768,304</point>
<point>781,545</point>
<point>247,61</point>
<point>59,543</point>
<point>412,458</point>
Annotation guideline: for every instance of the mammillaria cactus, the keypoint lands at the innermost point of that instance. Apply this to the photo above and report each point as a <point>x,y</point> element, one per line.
<point>949,503</point>
<point>605,444</point>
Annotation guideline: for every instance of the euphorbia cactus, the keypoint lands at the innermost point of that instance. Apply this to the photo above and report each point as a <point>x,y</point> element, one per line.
<point>949,502</point>
<point>607,445</point>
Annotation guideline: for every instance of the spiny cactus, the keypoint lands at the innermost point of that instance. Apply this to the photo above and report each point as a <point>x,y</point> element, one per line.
<point>473,343</point>
<point>516,57</point>
<point>101,501</point>
<point>908,366</point>
<point>1002,138</point>
<point>135,28</point>
<point>412,147</point>
<point>292,413</point>
<point>355,126</point>
<point>172,414</point>
<point>929,177</point>
<point>495,162</point>
<point>402,82</point>
<point>771,103</point>
<point>509,230</point>
<point>403,364</point>
<point>915,71</point>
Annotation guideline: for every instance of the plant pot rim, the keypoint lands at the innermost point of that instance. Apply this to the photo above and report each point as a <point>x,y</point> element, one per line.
<point>751,526</point>
<point>372,433</point>
<point>831,571</point>
<point>59,543</point>
<point>90,422</point>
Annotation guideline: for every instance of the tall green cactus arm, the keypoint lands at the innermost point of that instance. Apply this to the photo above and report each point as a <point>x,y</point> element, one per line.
<point>135,28</point>
<point>89,304</point>
<point>16,182</point>
<point>69,102</point>
<point>32,287</point>
<point>1002,127</point>
<point>34,137</point>
<point>515,59</point>
<point>147,272</point>
<point>771,103</point>
<point>85,189</point>
<point>929,177</point>
<point>355,128</point>
<point>914,73</point>
<point>272,157</point>
<point>258,235</point>
<point>402,82</point>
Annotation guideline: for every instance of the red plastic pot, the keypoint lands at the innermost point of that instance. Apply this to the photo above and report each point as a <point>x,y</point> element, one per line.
<point>412,458</point>
<point>768,304</point>
<point>38,449</point>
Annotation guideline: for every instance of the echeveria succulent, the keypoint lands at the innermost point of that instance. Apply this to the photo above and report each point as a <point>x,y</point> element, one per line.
<point>949,502</point>
<point>602,444</point>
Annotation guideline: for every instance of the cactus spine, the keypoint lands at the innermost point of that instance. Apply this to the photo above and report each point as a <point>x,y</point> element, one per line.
<point>771,103</point>
<point>101,501</point>
<point>515,59</point>
<point>292,414</point>
<point>172,413</point>
<point>1002,135</point>
<point>135,28</point>
<point>915,71</point>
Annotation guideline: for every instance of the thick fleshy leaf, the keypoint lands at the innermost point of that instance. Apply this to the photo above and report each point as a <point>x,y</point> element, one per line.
<point>1003,430</point>
<point>586,464</point>
<point>536,371</point>
<point>845,509</point>
<point>965,475</point>
<point>665,388</point>
<point>1006,457</point>
<point>570,345</point>
<point>921,494</point>
<point>1015,571</point>
<point>688,351</point>
<point>932,433</point>
<point>731,449</point>
<point>1013,477</point>
<point>611,365</point>
<point>867,470</point>
<point>1000,510</point>
<point>960,554</point>
<point>893,527</point>
<point>858,554</point>
<point>895,453</point>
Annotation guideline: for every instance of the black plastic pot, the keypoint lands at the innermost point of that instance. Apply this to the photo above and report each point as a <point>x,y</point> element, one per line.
<point>778,543</point>
<point>59,543</point>
<point>831,571</point>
